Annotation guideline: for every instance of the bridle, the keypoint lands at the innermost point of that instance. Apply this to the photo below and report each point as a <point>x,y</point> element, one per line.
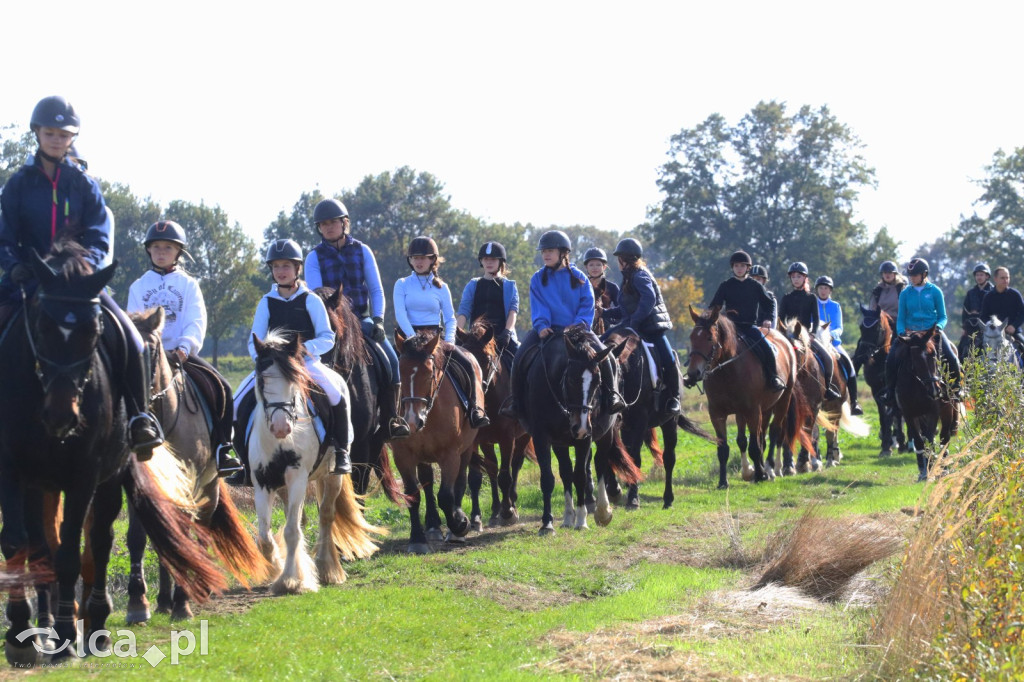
<point>57,369</point>
<point>435,385</point>
<point>562,396</point>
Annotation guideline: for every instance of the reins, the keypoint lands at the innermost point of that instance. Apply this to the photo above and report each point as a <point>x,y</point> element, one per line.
<point>61,369</point>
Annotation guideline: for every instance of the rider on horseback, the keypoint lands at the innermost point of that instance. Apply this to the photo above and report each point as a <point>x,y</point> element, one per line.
<point>759,273</point>
<point>1005,303</point>
<point>922,307</point>
<point>291,307</point>
<point>166,284</point>
<point>606,292</point>
<point>340,261</point>
<point>559,298</point>
<point>971,319</point>
<point>802,305</point>
<point>52,197</point>
<point>886,295</point>
<point>831,312</point>
<point>744,301</point>
<point>642,309</point>
<point>423,301</point>
<point>493,296</point>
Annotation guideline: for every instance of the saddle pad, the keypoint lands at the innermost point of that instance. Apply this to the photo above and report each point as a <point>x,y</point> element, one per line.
<point>649,350</point>
<point>203,403</point>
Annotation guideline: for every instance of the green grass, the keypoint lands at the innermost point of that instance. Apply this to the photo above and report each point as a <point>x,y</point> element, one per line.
<point>511,605</point>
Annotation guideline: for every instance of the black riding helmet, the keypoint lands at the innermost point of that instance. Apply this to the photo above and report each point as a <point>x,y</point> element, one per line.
<point>982,267</point>
<point>917,266</point>
<point>759,271</point>
<point>491,250</point>
<point>629,248</point>
<point>422,246</point>
<point>800,267</point>
<point>554,239</point>
<point>327,210</point>
<point>594,253</point>
<point>283,249</point>
<point>167,231</point>
<point>826,280</point>
<point>55,112</point>
<point>887,266</point>
<point>740,257</point>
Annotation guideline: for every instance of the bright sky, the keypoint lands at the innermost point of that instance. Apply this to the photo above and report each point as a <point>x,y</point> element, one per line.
<point>544,112</point>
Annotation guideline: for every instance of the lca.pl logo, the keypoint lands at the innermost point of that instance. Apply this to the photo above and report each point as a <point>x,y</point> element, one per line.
<point>183,643</point>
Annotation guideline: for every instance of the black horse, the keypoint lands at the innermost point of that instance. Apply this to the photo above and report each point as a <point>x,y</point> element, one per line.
<point>562,410</point>
<point>64,429</point>
<point>876,335</point>
<point>643,414</point>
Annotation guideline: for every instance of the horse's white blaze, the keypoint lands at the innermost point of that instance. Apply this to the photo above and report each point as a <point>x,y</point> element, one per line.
<point>569,517</point>
<point>66,332</point>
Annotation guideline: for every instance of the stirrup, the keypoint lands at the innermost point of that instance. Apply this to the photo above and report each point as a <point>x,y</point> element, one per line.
<point>398,429</point>
<point>239,479</point>
<point>144,450</point>
<point>227,463</point>
<point>478,419</point>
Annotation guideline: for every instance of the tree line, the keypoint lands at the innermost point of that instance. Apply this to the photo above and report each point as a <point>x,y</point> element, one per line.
<point>782,186</point>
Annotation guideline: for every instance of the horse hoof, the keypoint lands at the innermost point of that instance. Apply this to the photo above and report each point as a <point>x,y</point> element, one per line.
<point>789,471</point>
<point>138,616</point>
<point>748,475</point>
<point>885,453</point>
<point>434,535</point>
<point>603,516</point>
<point>181,613</point>
<point>494,521</point>
<point>922,478</point>
<point>418,548</point>
<point>164,607</point>
<point>455,539</point>
<point>591,506</point>
<point>511,519</point>
<point>833,463</point>
<point>723,486</point>
<point>615,497</point>
<point>21,656</point>
<point>102,644</point>
<point>548,529</point>
<point>477,524</point>
<point>632,504</point>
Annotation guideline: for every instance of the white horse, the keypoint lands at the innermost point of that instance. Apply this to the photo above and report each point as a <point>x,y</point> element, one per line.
<point>285,455</point>
<point>998,348</point>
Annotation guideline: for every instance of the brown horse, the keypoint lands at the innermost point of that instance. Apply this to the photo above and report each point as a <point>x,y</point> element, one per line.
<point>440,432</point>
<point>508,434</point>
<point>836,412</point>
<point>734,383</point>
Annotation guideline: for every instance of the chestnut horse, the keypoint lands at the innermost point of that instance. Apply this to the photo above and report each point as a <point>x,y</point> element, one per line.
<point>440,432</point>
<point>734,383</point>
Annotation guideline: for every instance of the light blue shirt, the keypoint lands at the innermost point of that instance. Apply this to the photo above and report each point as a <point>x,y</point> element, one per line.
<point>831,312</point>
<point>920,310</point>
<point>418,303</point>
<point>316,346</point>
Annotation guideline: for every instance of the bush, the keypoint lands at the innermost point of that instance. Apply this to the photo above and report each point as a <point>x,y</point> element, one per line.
<point>956,609</point>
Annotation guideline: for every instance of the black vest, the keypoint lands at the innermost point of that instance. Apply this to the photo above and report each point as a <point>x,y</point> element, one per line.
<point>657,319</point>
<point>291,316</point>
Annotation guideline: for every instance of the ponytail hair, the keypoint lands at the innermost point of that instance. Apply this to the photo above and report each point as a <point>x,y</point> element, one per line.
<point>437,281</point>
<point>564,263</point>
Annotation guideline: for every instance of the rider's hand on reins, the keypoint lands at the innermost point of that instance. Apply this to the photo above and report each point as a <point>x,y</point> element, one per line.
<point>544,333</point>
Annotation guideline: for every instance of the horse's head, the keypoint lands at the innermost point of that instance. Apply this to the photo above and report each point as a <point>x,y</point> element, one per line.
<point>582,380</point>
<point>282,381</point>
<point>795,332</point>
<point>64,326</point>
<point>707,343</point>
<point>150,324</point>
<point>923,360</point>
<point>421,367</point>
<point>479,341</point>
<point>997,347</point>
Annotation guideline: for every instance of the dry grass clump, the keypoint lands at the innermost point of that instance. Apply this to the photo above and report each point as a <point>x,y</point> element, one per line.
<point>820,555</point>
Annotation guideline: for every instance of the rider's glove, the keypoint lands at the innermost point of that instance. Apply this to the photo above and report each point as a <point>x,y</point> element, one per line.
<point>21,273</point>
<point>378,334</point>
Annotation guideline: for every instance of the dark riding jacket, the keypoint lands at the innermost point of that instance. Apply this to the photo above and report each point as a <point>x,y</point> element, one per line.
<point>1007,306</point>
<point>973,301</point>
<point>743,300</point>
<point>801,305</point>
<point>641,305</point>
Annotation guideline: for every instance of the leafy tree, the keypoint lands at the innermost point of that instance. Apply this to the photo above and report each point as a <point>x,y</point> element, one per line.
<point>15,149</point>
<point>297,225</point>
<point>782,187</point>
<point>132,217</point>
<point>679,293</point>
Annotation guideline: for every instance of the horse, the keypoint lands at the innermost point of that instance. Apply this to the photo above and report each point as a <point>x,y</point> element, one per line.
<point>564,410</point>
<point>811,378</point>
<point>998,348</point>
<point>836,413</point>
<point>734,383</point>
<point>644,414</point>
<point>65,430</point>
<point>922,396</point>
<point>286,454</point>
<point>876,335</point>
<point>512,440</point>
<point>364,372</point>
<point>440,432</point>
<point>176,403</point>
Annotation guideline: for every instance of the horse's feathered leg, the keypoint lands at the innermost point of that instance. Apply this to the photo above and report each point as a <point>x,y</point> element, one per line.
<point>263,500</point>
<point>328,567</point>
<point>297,575</point>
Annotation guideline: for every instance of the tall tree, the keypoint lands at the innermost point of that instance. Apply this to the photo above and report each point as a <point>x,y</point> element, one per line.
<point>132,217</point>
<point>16,146</point>
<point>782,187</point>
<point>297,225</point>
<point>226,264</point>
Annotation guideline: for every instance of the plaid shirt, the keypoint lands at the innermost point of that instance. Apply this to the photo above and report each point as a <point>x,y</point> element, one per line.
<point>345,267</point>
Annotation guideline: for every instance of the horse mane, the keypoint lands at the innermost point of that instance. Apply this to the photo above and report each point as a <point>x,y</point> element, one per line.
<point>579,340</point>
<point>293,368</point>
<point>415,347</point>
<point>727,329</point>
<point>803,337</point>
<point>349,345</point>
<point>477,331</point>
<point>925,339</point>
<point>69,259</point>
<point>886,321</point>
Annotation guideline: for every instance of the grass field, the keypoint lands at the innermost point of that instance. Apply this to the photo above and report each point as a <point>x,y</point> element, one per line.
<point>658,594</point>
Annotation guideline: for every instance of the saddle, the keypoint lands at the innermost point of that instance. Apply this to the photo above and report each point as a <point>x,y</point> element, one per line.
<point>320,409</point>
<point>210,387</point>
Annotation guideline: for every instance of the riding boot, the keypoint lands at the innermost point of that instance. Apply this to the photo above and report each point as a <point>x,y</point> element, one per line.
<point>764,350</point>
<point>609,383</point>
<point>851,384</point>
<point>340,418</point>
<point>477,417</point>
<point>670,373</point>
<point>144,432</point>
<point>827,369</point>
<point>391,407</point>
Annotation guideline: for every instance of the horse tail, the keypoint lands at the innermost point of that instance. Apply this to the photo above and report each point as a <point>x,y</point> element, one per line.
<point>352,533</point>
<point>798,414</point>
<point>530,452</point>
<point>651,441</point>
<point>690,426</point>
<point>169,529</point>
<point>822,420</point>
<point>233,543</point>
<point>622,464</point>
<point>852,424</point>
<point>387,479</point>
<point>177,479</point>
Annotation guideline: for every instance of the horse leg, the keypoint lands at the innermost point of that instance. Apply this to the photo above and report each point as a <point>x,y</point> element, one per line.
<point>491,467</point>
<point>885,424</point>
<point>407,469</point>
<point>297,575</point>
<point>756,425</point>
<point>565,473</point>
<point>14,543</point>
<point>328,567</point>
<point>588,488</point>
<point>633,439</point>
<point>449,495</point>
<point>547,483</point>
<point>68,563</point>
<point>718,422</point>
<point>263,500</point>
<point>138,604</point>
<point>506,507</point>
<point>165,594</point>
<point>581,478</point>
<point>669,437</point>
<point>475,480</point>
<point>431,517</point>
<point>742,444</point>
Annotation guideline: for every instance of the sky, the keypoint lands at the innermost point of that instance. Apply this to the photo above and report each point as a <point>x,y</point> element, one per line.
<point>556,112</point>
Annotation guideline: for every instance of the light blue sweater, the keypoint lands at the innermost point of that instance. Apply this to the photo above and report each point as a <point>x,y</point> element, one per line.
<point>919,310</point>
<point>418,303</point>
